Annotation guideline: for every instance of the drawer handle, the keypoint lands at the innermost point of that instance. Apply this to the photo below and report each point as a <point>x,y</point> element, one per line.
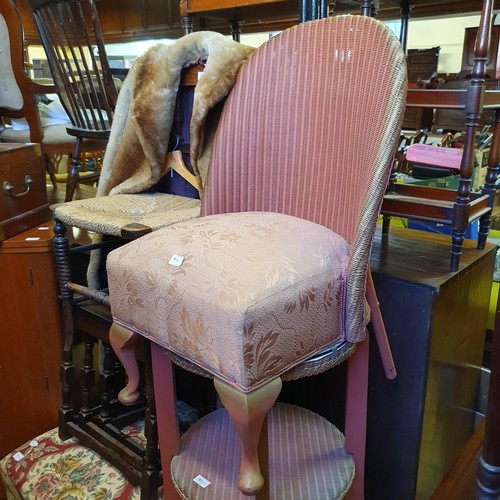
<point>8,187</point>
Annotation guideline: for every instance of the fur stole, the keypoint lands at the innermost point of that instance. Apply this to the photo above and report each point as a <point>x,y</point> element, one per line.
<point>134,158</point>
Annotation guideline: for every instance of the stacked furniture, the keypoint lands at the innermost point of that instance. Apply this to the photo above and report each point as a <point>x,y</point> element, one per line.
<point>443,205</point>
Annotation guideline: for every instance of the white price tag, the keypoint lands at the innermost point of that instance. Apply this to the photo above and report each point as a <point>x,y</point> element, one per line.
<point>43,228</point>
<point>33,443</point>
<point>176,260</point>
<point>18,456</point>
<point>202,481</point>
<point>31,239</point>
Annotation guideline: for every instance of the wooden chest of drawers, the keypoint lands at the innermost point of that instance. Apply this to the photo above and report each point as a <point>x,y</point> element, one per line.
<point>24,196</point>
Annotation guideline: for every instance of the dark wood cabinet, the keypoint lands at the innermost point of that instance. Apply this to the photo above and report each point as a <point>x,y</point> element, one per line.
<point>436,324</point>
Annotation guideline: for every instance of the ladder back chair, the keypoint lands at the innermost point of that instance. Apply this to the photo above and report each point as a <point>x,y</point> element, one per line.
<point>457,208</point>
<point>72,38</point>
<point>270,283</point>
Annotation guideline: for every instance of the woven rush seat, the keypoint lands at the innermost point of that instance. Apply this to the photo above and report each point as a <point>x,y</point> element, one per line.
<point>47,467</point>
<point>109,214</point>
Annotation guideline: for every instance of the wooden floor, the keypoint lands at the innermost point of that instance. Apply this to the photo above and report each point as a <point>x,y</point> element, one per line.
<point>460,481</point>
<point>56,195</point>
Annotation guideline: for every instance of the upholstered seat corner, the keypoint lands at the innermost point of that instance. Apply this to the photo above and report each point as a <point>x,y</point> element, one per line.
<point>276,286</point>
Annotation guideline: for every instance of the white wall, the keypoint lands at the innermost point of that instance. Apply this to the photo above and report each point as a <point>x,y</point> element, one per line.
<point>446,33</point>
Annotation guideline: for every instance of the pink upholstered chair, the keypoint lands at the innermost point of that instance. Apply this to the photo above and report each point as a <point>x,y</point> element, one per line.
<point>270,284</point>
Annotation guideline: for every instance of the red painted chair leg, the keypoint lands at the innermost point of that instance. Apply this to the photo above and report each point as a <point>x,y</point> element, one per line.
<point>356,415</point>
<point>168,430</point>
<point>379,331</point>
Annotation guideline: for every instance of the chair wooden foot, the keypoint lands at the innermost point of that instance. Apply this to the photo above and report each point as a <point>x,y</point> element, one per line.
<point>248,412</point>
<point>73,175</point>
<point>123,342</point>
<point>484,229</point>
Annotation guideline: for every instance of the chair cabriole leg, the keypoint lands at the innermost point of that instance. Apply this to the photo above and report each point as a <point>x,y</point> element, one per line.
<point>123,342</point>
<point>247,413</point>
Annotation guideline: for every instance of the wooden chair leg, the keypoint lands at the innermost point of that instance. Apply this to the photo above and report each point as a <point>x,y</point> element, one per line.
<point>87,379</point>
<point>73,175</point>
<point>61,254</point>
<point>166,411</point>
<point>457,239</point>
<point>123,342</point>
<point>105,382</point>
<point>484,229</point>
<point>151,472</point>
<point>379,331</point>
<point>50,169</point>
<point>356,415</point>
<point>248,412</point>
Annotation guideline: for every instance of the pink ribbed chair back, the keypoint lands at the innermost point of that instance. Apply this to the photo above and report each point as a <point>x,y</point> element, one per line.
<point>309,130</point>
<point>317,151</point>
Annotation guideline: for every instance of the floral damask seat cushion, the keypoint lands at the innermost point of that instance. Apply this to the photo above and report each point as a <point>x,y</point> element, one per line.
<point>48,468</point>
<point>245,296</point>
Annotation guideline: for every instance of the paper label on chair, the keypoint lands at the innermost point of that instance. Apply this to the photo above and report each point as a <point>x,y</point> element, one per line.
<point>176,260</point>
<point>202,481</point>
<point>18,456</point>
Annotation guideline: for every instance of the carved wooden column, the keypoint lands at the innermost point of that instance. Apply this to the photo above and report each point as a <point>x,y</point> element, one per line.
<point>473,108</point>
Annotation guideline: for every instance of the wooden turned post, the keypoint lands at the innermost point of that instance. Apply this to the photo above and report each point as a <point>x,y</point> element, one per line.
<point>73,175</point>
<point>248,413</point>
<point>61,253</point>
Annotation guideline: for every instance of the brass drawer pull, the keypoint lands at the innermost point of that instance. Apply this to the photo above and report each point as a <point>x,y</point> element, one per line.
<point>8,187</point>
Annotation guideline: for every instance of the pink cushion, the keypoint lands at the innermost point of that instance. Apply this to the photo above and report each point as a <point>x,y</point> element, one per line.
<point>254,295</point>
<point>313,465</point>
